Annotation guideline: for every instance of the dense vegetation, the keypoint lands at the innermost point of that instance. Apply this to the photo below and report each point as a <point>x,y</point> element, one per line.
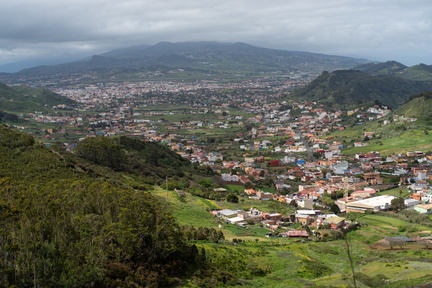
<point>61,227</point>
<point>132,155</point>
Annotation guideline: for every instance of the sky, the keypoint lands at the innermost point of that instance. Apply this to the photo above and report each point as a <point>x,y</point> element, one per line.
<point>379,30</point>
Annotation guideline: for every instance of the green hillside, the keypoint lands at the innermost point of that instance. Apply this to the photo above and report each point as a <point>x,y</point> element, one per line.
<point>406,129</point>
<point>67,223</point>
<point>25,99</point>
<point>350,87</point>
<point>420,107</point>
<point>420,72</point>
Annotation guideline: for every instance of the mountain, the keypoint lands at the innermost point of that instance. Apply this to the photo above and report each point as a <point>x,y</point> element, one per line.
<point>351,87</point>
<point>26,99</point>
<point>385,68</point>
<point>419,106</point>
<point>420,72</point>
<point>206,58</point>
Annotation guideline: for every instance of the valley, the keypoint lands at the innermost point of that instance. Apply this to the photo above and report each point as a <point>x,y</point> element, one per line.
<point>214,182</point>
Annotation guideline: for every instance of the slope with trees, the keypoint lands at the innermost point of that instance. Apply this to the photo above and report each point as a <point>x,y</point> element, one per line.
<point>62,226</point>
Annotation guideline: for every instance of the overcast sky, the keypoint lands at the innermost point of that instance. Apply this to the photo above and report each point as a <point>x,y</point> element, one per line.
<point>379,30</point>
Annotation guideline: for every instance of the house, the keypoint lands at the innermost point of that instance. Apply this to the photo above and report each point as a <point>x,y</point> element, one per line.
<point>295,233</point>
<point>335,222</point>
<point>373,178</point>
<point>424,209</point>
<point>236,220</point>
<point>264,195</point>
<point>225,213</point>
<point>410,203</point>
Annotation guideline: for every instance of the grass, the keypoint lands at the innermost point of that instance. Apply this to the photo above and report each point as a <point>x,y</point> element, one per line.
<point>395,192</point>
<point>296,264</point>
<point>394,138</point>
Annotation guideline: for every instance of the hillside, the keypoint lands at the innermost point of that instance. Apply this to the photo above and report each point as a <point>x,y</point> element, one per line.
<point>420,72</point>
<point>65,224</point>
<point>408,128</point>
<point>25,99</point>
<point>351,87</point>
<point>419,107</point>
<point>209,59</point>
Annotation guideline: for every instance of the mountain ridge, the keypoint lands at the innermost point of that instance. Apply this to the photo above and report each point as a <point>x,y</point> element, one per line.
<point>419,72</point>
<point>351,87</point>
<point>211,57</point>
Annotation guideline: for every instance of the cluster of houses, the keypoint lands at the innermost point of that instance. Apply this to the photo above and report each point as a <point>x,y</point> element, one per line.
<point>274,221</point>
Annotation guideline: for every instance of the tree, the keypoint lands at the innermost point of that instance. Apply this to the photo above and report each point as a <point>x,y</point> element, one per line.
<point>232,198</point>
<point>335,208</point>
<point>397,204</point>
<point>102,151</point>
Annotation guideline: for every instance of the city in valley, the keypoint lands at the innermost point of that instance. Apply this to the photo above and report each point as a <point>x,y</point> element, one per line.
<point>254,136</point>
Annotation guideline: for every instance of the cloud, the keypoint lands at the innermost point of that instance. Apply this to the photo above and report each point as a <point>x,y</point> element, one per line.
<point>374,29</point>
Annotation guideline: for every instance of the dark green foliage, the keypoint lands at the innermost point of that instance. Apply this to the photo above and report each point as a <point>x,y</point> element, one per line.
<point>203,233</point>
<point>12,140</point>
<point>335,208</point>
<point>397,204</point>
<point>102,151</point>
<point>59,227</point>
<point>133,156</point>
<point>5,116</point>
<point>232,198</point>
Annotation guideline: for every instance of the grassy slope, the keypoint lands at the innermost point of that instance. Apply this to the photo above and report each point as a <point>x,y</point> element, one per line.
<point>393,138</point>
<point>286,260</point>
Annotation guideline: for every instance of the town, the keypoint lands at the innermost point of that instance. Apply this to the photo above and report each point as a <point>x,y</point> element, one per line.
<point>266,171</point>
<point>256,139</point>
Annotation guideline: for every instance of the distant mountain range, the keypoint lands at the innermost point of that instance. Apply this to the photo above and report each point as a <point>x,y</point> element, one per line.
<point>351,87</point>
<point>420,72</point>
<point>209,58</point>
